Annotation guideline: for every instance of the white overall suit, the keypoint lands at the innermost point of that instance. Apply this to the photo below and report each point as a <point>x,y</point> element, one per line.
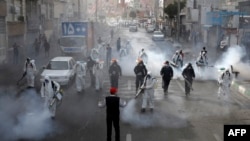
<point>80,76</point>
<point>143,56</point>
<point>30,69</point>
<point>148,96</point>
<point>224,83</point>
<point>97,70</point>
<point>48,91</point>
<point>202,60</point>
<point>177,59</point>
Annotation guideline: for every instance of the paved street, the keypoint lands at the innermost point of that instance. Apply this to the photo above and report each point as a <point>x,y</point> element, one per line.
<point>198,117</point>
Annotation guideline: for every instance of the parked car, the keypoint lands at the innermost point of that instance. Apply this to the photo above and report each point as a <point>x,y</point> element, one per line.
<point>150,28</point>
<point>60,69</point>
<point>133,28</point>
<point>158,36</point>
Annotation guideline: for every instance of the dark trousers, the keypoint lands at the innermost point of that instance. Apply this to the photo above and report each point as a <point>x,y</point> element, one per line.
<point>188,85</point>
<point>165,84</point>
<point>92,78</point>
<point>15,59</point>
<point>138,81</point>
<point>118,48</point>
<point>115,122</point>
<point>114,80</point>
<point>108,59</point>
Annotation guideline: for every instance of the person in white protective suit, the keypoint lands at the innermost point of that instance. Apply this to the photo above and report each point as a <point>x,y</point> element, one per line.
<point>98,72</point>
<point>123,52</point>
<point>202,59</point>
<point>224,81</point>
<point>80,76</point>
<point>48,90</point>
<point>177,59</point>
<point>30,70</point>
<point>143,56</point>
<point>148,96</point>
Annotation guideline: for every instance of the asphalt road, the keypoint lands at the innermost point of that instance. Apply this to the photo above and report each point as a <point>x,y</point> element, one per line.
<point>198,117</point>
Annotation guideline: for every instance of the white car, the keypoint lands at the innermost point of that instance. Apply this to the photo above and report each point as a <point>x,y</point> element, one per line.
<point>60,69</point>
<point>150,28</point>
<point>158,36</point>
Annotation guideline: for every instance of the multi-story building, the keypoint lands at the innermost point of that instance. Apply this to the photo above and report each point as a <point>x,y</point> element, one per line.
<point>23,20</point>
<point>211,19</point>
<point>3,31</point>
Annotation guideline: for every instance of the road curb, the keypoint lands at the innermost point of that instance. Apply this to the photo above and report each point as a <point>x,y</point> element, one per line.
<point>241,89</point>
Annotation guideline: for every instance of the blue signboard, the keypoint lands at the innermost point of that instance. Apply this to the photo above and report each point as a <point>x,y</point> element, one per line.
<point>214,18</point>
<point>74,28</point>
<point>220,17</point>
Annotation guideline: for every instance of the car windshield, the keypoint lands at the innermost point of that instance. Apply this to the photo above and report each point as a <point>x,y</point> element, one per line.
<point>72,41</point>
<point>58,65</point>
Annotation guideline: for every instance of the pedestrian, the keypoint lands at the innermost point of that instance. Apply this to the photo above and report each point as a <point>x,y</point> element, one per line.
<point>224,81</point>
<point>143,56</point>
<point>202,59</point>
<point>46,47</point>
<point>30,70</point>
<point>140,71</point>
<point>113,104</point>
<point>115,73</point>
<point>80,76</point>
<point>90,65</point>
<point>99,41</point>
<point>167,74</point>
<point>148,96</point>
<point>48,90</point>
<point>177,59</point>
<point>111,33</point>
<point>15,53</point>
<point>108,54</point>
<point>188,74</point>
<point>36,45</point>
<point>98,72</point>
<point>182,57</point>
<point>204,50</point>
<point>118,44</point>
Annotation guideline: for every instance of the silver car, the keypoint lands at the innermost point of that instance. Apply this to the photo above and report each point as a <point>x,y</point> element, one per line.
<point>60,69</point>
<point>133,28</point>
<point>158,36</point>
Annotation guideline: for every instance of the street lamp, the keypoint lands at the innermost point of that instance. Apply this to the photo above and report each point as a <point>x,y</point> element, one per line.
<point>178,20</point>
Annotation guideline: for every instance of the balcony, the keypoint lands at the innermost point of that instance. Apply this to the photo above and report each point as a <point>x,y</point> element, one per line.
<point>15,28</point>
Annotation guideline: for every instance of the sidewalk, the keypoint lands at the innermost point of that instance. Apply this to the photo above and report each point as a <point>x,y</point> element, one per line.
<point>243,87</point>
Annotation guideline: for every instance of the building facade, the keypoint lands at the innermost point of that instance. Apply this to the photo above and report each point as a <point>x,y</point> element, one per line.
<point>212,19</point>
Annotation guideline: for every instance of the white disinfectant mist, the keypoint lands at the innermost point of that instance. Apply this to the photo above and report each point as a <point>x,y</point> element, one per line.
<point>24,117</point>
<point>160,117</point>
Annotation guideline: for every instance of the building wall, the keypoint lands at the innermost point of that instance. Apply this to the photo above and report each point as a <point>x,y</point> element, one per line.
<point>167,2</point>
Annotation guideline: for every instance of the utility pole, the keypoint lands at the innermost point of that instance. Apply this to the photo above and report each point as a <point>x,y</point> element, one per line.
<point>96,7</point>
<point>79,9</point>
<point>178,20</point>
<point>156,8</point>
